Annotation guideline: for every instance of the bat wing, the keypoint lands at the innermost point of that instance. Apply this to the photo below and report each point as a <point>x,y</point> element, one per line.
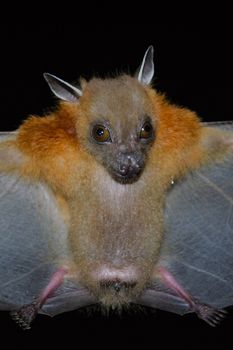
<point>33,244</point>
<point>198,246</point>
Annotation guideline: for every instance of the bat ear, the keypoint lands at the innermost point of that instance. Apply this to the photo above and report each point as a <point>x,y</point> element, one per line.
<point>62,89</point>
<point>145,72</point>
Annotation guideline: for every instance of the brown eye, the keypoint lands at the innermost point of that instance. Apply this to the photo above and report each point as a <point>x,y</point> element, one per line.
<point>146,131</point>
<point>101,134</point>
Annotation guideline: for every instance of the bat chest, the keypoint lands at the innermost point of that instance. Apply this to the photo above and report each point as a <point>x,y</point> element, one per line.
<point>117,218</point>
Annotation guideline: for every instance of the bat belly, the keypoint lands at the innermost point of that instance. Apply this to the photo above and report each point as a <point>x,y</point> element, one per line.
<point>116,224</point>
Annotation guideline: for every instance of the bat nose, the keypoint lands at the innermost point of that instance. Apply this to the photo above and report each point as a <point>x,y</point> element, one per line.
<point>129,166</point>
<point>117,285</point>
<point>124,169</point>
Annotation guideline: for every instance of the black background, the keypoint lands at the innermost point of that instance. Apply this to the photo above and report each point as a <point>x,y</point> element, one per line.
<point>193,68</point>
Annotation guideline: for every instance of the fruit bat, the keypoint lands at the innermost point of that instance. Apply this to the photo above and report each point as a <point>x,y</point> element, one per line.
<point>116,197</point>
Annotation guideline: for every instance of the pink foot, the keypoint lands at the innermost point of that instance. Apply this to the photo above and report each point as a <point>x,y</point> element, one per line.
<point>206,312</point>
<point>26,314</point>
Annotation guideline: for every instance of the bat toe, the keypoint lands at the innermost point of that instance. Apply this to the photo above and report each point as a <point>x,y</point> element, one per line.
<point>209,314</point>
<point>25,315</point>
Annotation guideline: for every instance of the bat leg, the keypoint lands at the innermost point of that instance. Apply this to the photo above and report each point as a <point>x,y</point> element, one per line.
<point>26,314</point>
<point>206,312</point>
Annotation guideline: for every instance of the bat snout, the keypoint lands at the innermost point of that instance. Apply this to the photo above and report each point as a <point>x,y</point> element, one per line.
<point>128,169</point>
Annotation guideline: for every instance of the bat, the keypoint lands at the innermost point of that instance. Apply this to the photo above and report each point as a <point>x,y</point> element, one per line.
<point>116,197</point>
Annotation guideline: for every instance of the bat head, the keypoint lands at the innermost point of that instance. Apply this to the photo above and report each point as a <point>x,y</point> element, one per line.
<point>118,126</point>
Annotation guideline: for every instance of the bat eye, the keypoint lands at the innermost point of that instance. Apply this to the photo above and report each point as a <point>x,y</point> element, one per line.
<point>146,131</point>
<point>101,134</point>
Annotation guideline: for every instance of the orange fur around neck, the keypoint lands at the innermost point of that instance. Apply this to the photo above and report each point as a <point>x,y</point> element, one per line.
<point>56,155</point>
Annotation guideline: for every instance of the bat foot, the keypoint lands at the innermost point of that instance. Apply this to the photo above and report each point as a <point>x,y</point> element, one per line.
<point>209,314</point>
<point>206,312</point>
<point>25,315</point>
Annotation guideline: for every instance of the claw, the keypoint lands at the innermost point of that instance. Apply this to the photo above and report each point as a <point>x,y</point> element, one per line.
<point>208,313</point>
<point>24,316</point>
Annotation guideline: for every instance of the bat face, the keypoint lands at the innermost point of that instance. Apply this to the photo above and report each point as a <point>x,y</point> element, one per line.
<point>121,126</point>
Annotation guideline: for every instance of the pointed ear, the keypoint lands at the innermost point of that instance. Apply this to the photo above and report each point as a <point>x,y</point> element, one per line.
<point>62,89</point>
<point>145,72</point>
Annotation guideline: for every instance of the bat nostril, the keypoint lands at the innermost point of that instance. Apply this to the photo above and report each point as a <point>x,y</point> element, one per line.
<point>124,168</point>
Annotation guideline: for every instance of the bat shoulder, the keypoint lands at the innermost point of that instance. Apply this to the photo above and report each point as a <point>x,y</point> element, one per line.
<point>45,149</point>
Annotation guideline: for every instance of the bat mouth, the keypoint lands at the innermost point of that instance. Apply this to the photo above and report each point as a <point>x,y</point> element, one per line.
<point>129,177</point>
<point>127,168</point>
<point>125,179</point>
